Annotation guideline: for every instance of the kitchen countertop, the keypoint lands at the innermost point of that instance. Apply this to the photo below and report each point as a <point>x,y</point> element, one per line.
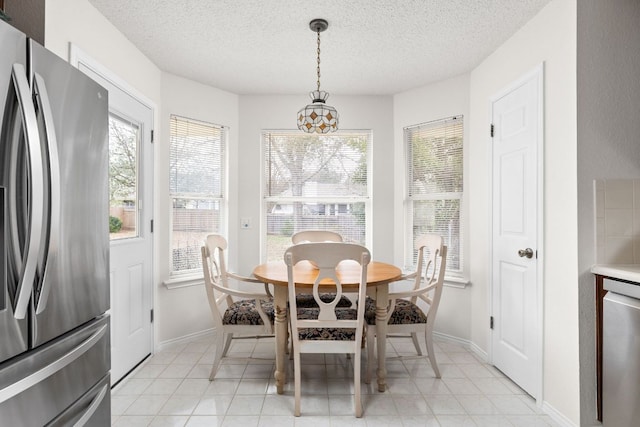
<point>630,272</point>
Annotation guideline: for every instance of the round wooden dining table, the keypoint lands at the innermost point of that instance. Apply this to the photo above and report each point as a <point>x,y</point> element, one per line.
<point>379,275</point>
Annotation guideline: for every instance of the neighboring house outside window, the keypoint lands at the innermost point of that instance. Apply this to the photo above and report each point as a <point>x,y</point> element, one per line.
<point>197,184</point>
<point>434,187</point>
<point>314,182</point>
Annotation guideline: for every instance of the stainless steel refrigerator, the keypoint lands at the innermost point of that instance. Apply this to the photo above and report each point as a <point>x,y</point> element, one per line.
<point>54,251</point>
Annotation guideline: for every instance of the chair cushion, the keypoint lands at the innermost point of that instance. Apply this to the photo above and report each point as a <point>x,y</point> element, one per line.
<point>335,334</point>
<point>404,313</point>
<point>308,301</point>
<point>244,312</point>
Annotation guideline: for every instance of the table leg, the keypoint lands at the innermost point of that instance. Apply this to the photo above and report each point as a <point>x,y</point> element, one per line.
<point>382,296</point>
<point>280,302</point>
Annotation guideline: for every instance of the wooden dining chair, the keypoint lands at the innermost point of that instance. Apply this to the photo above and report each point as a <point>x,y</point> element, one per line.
<point>234,311</point>
<point>315,236</point>
<point>404,315</point>
<point>328,328</point>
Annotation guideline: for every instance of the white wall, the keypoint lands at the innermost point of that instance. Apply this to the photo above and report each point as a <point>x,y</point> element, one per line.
<point>436,101</point>
<point>78,22</point>
<point>549,38</point>
<point>184,311</point>
<point>279,112</point>
<point>609,141</point>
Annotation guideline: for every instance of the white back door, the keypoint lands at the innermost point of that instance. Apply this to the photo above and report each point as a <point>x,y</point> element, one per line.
<point>130,214</point>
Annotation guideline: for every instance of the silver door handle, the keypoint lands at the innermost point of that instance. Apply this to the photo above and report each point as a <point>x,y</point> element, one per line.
<point>54,194</point>
<point>525,253</point>
<point>36,214</point>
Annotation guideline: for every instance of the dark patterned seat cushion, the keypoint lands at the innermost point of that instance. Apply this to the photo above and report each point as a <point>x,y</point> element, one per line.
<point>404,313</point>
<point>244,312</point>
<point>308,301</point>
<point>327,333</point>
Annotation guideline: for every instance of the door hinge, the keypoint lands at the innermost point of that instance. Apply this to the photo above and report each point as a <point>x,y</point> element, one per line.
<point>491,322</point>
<point>152,226</point>
<point>151,315</point>
<point>152,136</point>
<point>491,130</point>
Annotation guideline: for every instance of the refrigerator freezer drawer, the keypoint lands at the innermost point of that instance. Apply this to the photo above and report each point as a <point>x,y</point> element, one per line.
<point>92,409</point>
<point>38,386</point>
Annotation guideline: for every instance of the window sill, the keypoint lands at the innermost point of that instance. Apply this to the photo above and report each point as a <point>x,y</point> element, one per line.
<point>456,282</point>
<point>185,281</point>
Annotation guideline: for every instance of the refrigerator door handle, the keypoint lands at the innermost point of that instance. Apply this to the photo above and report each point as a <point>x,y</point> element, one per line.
<point>50,369</point>
<point>92,407</point>
<point>54,179</point>
<point>32,136</point>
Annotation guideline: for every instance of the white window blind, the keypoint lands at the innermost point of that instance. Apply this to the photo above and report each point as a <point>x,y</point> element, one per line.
<point>434,185</point>
<point>314,182</point>
<point>197,182</point>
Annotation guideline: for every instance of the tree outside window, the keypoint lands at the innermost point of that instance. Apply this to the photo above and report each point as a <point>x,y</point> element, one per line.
<point>434,185</point>
<point>196,181</point>
<point>314,182</point>
<point>123,174</point>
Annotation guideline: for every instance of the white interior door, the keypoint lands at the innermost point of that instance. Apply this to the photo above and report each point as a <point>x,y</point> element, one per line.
<point>130,213</point>
<point>516,300</point>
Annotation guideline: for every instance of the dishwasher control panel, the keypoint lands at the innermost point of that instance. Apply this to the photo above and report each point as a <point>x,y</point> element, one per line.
<point>622,287</point>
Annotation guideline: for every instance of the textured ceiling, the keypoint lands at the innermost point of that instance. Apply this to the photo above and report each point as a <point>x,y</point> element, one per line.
<point>372,47</point>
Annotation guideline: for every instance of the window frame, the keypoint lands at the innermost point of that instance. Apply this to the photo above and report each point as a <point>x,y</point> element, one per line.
<point>221,199</point>
<point>409,199</point>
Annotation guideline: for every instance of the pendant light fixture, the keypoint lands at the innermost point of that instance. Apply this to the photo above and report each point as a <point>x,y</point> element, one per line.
<point>318,117</point>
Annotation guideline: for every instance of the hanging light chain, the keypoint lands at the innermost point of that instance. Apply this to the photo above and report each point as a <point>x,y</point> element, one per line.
<point>318,117</point>
<point>318,60</point>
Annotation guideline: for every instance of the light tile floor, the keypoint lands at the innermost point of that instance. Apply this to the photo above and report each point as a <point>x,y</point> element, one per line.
<point>172,389</point>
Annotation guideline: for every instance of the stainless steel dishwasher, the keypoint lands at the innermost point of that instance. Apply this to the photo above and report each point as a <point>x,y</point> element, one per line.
<point>621,354</point>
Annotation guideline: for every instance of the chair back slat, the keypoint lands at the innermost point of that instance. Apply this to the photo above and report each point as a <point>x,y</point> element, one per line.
<point>428,265</point>
<point>327,256</point>
<point>335,324</point>
<point>211,273</point>
<point>313,236</point>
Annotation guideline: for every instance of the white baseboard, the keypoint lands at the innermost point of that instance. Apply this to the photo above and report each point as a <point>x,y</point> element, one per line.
<point>184,339</point>
<point>479,352</point>
<point>557,416</point>
<point>466,343</point>
<point>451,338</point>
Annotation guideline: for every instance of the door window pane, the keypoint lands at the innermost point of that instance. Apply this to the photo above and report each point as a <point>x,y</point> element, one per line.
<point>124,138</point>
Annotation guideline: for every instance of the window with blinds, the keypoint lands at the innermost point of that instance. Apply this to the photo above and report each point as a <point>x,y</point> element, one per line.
<point>197,183</point>
<point>434,186</point>
<point>314,182</point>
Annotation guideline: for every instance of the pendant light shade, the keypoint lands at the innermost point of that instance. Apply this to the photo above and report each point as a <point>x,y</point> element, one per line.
<point>318,117</point>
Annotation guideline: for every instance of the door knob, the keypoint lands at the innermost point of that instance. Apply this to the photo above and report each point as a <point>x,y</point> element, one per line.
<point>526,253</point>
